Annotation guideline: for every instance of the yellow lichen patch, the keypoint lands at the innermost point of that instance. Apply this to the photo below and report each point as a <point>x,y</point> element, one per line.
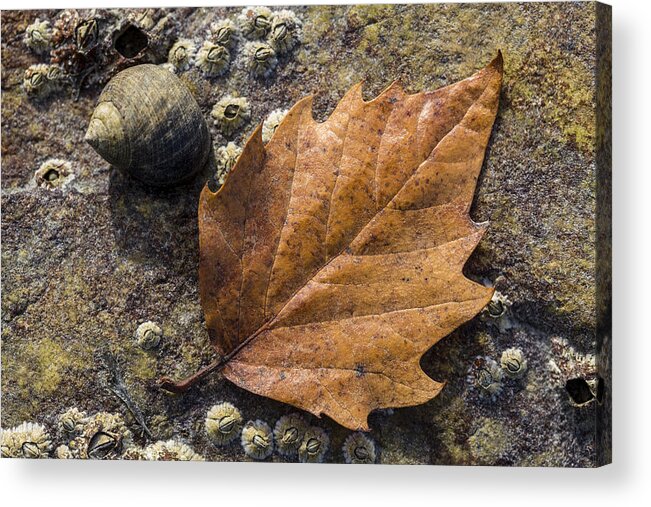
<point>489,442</point>
<point>43,366</point>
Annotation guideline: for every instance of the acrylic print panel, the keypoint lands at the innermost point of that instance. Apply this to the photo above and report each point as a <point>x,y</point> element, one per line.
<point>219,245</point>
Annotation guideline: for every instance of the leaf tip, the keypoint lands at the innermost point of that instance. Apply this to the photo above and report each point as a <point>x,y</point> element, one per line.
<point>498,62</point>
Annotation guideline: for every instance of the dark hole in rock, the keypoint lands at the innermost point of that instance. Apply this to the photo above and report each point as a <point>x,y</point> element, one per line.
<point>131,42</point>
<point>51,175</point>
<point>579,391</point>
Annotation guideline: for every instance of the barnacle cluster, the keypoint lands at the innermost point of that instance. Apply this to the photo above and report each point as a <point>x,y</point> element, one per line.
<point>212,59</point>
<point>181,54</point>
<point>359,449</point>
<point>91,46</point>
<point>485,377</point>
<point>271,34</point>
<point>257,439</point>
<point>226,156</point>
<point>54,173</point>
<point>41,80</point>
<point>314,446</point>
<point>102,436</point>
<point>148,335</point>
<point>271,123</point>
<point>170,450</point>
<point>27,440</point>
<point>38,36</point>
<point>288,433</point>
<point>230,113</point>
<point>223,423</point>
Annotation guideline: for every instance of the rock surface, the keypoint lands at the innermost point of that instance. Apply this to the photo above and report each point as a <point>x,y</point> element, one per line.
<point>85,264</point>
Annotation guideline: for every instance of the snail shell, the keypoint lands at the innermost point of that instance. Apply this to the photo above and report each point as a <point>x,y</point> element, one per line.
<point>147,123</point>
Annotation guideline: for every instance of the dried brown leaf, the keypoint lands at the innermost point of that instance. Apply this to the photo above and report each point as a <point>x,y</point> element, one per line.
<point>331,259</point>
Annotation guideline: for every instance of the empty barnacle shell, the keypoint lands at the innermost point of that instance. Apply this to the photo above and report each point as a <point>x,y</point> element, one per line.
<point>38,36</point>
<point>54,173</point>
<point>181,54</point>
<point>148,335</point>
<point>358,449</point>
<point>257,440</point>
<point>223,423</point>
<point>255,22</point>
<point>27,440</point>
<point>314,445</point>
<point>224,33</point>
<point>103,445</point>
<point>212,59</point>
<point>288,433</point>
<point>226,156</point>
<point>261,58</point>
<point>285,32</point>
<point>513,363</point>
<point>147,123</point>
<point>485,377</point>
<point>271,123</point>
<point>230,113</point>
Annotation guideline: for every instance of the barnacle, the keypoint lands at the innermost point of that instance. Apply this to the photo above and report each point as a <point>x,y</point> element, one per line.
<point>359,449</point>
<point>226,156</point>
<point>314,445</point>
<point>212,59</point>
<point>257,440</point>
<point>285,32</point>
<point>148,335</point>
<point>54,173</point>
<point>71,422</point>
<point>41,79</point>
<point>224,33</point>
<point>63,452</point>
<point>223,423</point>
<point>144,19</point>
<point>288,433</point>
<point>104,436</point>
<point>230,113</point>
<point>513,363</point>
<point>261,58</point>
<point>271,123</point>
<point>38,36</point>
<point>181,54</point>
<point>171,450</point>
<point>86,35</point>
<point>27,440</point>
<point>497,306</point>
<point>255,22</point>
<point>485,376</point>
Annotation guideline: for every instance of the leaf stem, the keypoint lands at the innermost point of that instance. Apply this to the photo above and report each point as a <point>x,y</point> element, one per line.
<point>178,387</point>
